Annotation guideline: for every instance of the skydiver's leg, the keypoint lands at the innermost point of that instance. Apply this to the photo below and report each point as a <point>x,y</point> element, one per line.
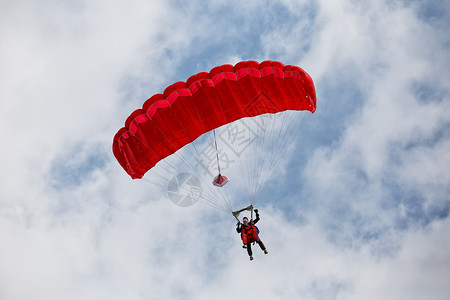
<point>261,244</point>
<point>249,249</point>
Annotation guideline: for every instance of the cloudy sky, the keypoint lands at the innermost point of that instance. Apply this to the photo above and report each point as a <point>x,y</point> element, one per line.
<point>361,212</point>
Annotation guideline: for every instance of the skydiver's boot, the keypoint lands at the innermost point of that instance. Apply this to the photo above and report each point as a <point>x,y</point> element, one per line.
<point>265,251</point>
<point>251,258</point>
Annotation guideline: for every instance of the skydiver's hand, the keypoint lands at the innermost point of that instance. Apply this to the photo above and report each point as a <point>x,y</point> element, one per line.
<point>238,223</point>
<point>256,210</point>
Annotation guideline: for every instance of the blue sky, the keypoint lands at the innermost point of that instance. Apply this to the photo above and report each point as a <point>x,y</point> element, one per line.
<point>358,211</point>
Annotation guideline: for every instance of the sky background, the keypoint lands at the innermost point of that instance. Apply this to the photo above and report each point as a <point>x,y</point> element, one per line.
<point>361,212</point>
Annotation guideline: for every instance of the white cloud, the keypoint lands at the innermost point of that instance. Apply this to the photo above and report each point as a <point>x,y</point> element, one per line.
<point>389,55</point>
<point>417,271</point>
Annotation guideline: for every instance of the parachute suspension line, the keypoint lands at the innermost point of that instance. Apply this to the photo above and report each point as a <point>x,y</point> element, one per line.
<point>238,153</point>
<point>276,145</point>
<point>267,136</point>
<point>291,134</point>
<point>218,168</point>
<point>215,195</point>
<point>203,199</point>
<point>183,188</point>
<point>258,131</point>
<point>260,160</point>
<point>274,141</point>
<point>223,196</point>
<point>225,128</point>
<point>181,160</point>
<point>253,158</point>
<point>272,135</point>
<point>217,151</point>
<point>225,187</point>
<point>223,190</point>
<point>288,136</point>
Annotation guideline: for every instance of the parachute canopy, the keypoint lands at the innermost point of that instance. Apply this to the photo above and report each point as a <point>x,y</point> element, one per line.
<point>186,110</point>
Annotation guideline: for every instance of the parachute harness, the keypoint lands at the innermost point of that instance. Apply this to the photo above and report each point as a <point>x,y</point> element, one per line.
<point>237,212</point>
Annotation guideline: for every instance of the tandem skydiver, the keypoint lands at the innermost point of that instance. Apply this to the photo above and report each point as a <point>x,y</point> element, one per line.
<point>249,234</point>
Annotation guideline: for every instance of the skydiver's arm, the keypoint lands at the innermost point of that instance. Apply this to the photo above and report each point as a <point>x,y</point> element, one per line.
<point>256,219</point>
<point>239,227</point>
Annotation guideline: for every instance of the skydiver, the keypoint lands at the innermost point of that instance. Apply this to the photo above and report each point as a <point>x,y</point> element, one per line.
<point>249,234</point>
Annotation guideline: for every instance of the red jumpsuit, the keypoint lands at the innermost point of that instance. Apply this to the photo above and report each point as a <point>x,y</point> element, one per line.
<point>249,234</point>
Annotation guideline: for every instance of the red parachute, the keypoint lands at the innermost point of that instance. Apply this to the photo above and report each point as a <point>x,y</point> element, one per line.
<point>186,110</point>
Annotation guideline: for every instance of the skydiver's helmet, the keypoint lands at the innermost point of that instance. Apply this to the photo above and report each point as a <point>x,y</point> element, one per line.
<point>245,220</point>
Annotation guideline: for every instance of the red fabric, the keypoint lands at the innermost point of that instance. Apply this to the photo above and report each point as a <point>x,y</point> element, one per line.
<point>204,102</point>
<point>249,235</point>
<point>220,180</point>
